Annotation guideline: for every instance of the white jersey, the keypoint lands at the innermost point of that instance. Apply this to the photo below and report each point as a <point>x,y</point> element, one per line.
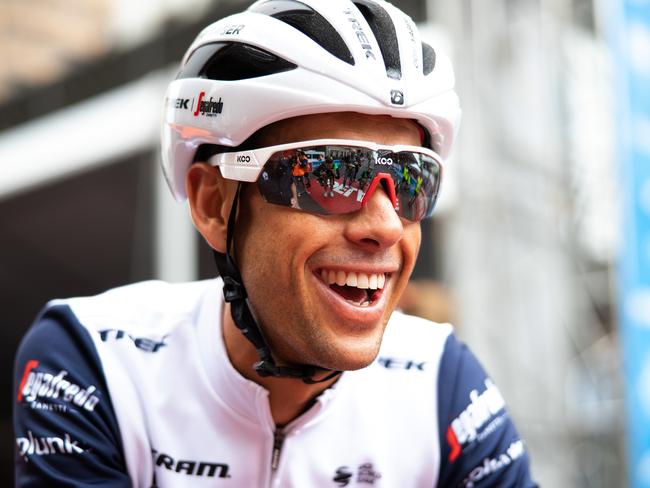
<point>134,387</point>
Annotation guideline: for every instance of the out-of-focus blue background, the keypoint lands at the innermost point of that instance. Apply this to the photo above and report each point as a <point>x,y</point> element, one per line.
<point>522,252</point>
<point>630,40</point>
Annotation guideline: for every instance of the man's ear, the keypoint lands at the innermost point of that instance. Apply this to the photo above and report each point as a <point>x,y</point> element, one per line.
<point>210,196</point>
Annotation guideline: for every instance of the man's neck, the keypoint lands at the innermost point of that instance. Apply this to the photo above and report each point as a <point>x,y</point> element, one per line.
<point>288,397</point>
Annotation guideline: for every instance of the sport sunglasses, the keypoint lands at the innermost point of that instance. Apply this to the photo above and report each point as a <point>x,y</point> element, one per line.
<point>337,176</point>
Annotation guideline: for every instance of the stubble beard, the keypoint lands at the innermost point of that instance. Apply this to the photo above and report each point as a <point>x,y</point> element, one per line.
<point>312,346</point>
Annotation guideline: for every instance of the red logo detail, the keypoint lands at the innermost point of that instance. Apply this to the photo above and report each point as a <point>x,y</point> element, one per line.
<point>198,105</point>
<point>31,364</point>
<point>453,443</point>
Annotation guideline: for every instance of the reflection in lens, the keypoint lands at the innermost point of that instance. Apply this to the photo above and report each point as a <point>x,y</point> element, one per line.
<point>333,179</point>
<point>417,186</point>
<point>275,179</point>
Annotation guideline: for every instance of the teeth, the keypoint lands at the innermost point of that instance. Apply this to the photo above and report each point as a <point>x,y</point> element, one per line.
<point>352,279</point>
<point>341,278</point>
<point>363,281</point>
<point>372,281</point>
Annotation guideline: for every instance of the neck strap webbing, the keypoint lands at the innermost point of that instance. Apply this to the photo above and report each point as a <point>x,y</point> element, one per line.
<point>234,293</point>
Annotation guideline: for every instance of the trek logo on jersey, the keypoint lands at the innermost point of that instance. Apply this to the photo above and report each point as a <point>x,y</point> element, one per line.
<point>397,363</point>
<point>46,391</point>
<point>208,108</point>
<point>143,343</point>
<point>482,409</point>
<point>43,446</point>
<point>492,465</point>
<point>361,35</point>
<point>365,474</point>
<point>190,468</point>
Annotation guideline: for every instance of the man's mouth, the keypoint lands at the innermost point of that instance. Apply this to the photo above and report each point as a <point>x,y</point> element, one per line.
<point>357,288</point>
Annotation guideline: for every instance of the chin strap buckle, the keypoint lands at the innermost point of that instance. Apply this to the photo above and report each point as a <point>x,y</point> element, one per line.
<point>233,289</point>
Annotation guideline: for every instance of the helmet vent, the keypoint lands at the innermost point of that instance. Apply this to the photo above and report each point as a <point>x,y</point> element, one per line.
<point>382,27</point>
<point>309,22</point>
<point>428,58</point>
<point>230,61</point>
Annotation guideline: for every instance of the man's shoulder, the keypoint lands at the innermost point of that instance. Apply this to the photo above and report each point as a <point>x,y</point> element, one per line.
<point>154,305</point>
<point>82,369</point>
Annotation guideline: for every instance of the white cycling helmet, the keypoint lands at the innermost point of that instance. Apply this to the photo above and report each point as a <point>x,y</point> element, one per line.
<point>285,58</point>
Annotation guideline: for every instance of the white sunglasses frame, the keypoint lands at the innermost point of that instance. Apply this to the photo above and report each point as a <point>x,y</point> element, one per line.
<point>247,165</point>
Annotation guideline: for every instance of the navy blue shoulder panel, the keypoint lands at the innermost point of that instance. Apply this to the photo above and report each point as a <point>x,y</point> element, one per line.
<point>66,430</point>
<point>479,445</point>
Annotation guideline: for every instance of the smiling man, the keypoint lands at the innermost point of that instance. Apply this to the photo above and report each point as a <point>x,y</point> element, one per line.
<point>292,369</point>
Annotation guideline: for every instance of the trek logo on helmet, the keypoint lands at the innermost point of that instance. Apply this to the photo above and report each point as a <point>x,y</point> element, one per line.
<point>361,35</point>
<point>181,103</point>
<point>232,30</point>
<point>208,108</point>
<point>414,44</point>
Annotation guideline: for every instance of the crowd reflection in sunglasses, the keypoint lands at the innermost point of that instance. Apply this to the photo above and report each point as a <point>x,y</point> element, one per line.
<point>289,176</point>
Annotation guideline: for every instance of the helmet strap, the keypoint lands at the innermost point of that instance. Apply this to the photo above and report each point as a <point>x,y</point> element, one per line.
<point>234,293</point>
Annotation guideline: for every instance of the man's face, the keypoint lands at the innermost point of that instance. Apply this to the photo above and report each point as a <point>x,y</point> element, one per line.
<point>287,257</point>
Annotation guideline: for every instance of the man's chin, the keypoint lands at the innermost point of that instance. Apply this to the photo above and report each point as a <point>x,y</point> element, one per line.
<point>350,360</point>
<point>337,353</point>
<point>355,365</point>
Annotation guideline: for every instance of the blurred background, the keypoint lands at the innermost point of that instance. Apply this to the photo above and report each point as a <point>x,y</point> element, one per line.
<point>522,254</point>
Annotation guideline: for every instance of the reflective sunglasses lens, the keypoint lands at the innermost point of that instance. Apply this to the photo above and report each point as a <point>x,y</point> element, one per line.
<point>334,179</point>
<point>417,185</point>
<point>325,179</point>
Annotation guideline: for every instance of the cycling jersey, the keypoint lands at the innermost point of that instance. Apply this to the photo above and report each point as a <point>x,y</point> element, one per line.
<point>134,387</point>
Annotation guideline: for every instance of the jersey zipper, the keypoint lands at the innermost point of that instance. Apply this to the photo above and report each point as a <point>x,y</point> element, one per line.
<point>278,440</point>
<point>280,433</point>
